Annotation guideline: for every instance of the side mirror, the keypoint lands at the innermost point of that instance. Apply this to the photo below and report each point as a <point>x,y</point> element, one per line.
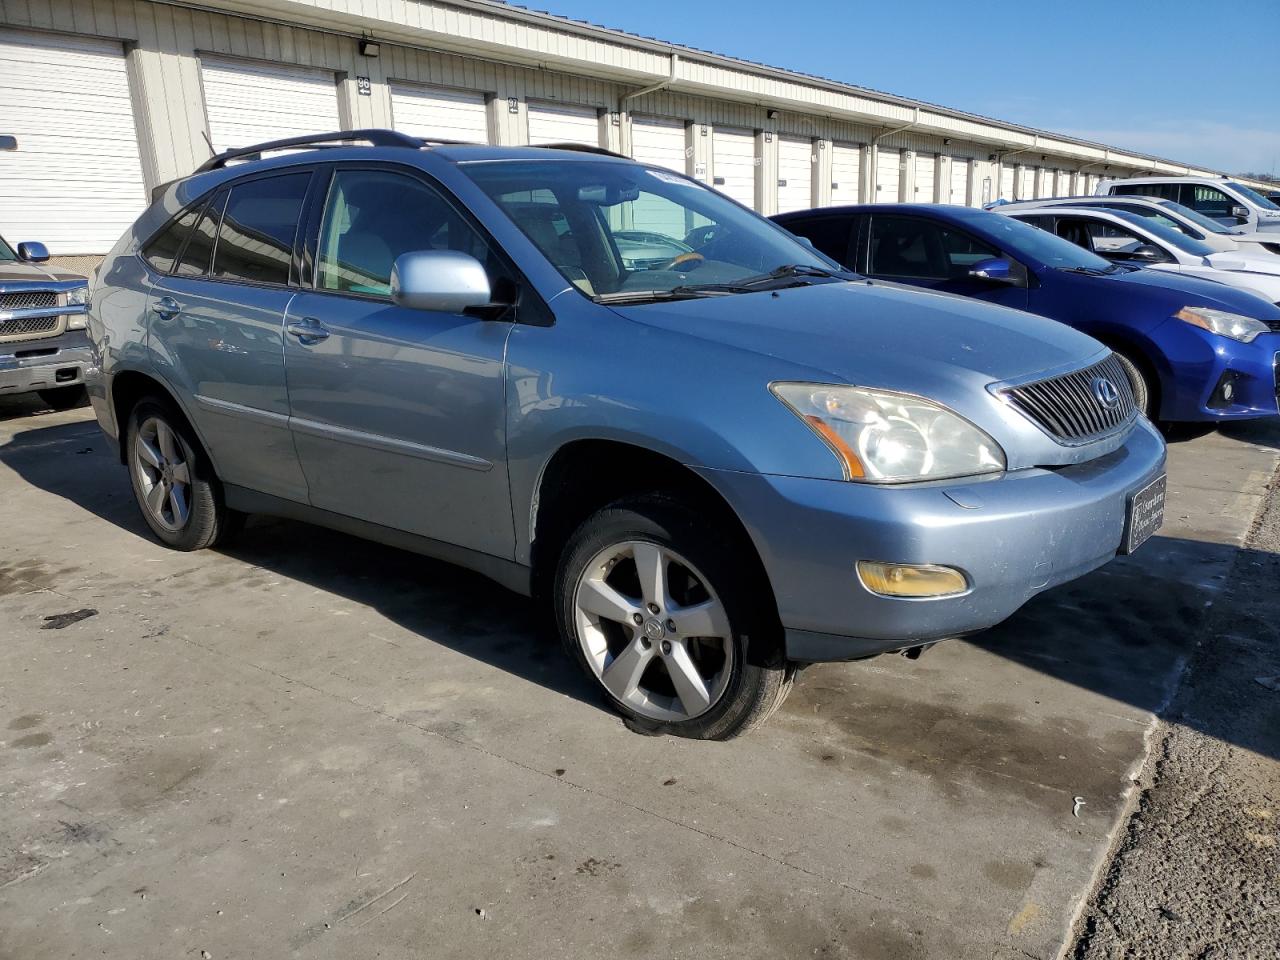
<point>1147,252</point>
<point>1240,213</point>
<point>444,281</point>
<point>993,270</point>
<point>33,251</point>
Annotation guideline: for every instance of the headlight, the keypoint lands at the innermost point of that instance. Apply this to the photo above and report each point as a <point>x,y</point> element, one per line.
<point>77,296</point>
<point>1233,325</point>
<point>880,436</point>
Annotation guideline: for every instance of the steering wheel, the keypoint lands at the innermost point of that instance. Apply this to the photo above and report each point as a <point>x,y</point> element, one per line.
<point>684,261</point>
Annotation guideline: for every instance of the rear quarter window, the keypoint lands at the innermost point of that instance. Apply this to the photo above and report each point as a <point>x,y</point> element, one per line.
<point>164,248</point>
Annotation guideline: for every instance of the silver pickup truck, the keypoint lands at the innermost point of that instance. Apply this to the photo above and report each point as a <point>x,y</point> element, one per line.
<point>43,345</point>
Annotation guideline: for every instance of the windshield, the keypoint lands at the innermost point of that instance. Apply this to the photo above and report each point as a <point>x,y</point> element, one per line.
<point>618,230</point>
<point>6,251</point>
<point>1199,219</point>
<point>1023,239</point>
<point>1253,195</point>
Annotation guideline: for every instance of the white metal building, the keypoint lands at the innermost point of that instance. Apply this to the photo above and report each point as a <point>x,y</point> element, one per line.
<point>110,97</point>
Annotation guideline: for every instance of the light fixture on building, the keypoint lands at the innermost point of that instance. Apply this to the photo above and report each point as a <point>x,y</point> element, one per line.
<point>946,142</point>
<point>772,114</point>
<point>370,48</point>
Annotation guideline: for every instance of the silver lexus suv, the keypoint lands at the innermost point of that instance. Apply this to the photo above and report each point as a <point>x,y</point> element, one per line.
<point>710,466</point>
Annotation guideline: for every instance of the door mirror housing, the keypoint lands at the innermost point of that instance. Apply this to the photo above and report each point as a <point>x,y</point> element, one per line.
<point>1240,213</point>
<point>1147,253</point>
<point>993,270</point>
<point>33,251</point>
<point>444,281</point>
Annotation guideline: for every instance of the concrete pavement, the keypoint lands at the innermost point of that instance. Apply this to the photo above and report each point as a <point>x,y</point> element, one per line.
<point>307,745</point>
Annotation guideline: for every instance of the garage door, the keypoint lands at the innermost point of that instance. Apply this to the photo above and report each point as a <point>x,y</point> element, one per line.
<point>444,114</point>
<point>733,164</point>
<point>887,175</point>
<point>660,143</point>
<point>75,181</point>
<point>1027,189</point>
<point>556,123</point>
<point>959,181</point>
<point>926,169</point>
<point>1006,183</point>
<point>248,103</point>
<point>795,174</point>
<point>846,173</point>
<point>1064,183</point>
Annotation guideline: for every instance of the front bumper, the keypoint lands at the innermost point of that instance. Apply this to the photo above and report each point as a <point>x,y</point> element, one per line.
<point>1013,536</point>
<point>44,364</point>
<point>1199,361</point>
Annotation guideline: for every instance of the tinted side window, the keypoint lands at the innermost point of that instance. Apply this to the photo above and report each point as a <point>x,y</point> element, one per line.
<point>198,256</point>
<point>830,235</point>
<point>373,216</point>
<point>1210,201</point>
<point>922,250</point>
<point>164,249</point>
<point>255,240</point>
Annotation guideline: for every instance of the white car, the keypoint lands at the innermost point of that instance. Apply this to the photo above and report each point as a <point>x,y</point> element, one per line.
<point>1135,240</point>
<point>1171,214</point>
<point>1238,208</point>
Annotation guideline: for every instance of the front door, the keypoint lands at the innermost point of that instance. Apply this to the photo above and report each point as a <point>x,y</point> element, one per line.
<point>398,415</point>
<point>925,253</point>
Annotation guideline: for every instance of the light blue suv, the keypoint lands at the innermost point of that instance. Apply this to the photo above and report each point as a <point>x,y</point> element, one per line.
<point>710,466</point>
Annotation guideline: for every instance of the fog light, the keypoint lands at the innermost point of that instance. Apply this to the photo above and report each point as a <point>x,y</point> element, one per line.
<point>911,579</point>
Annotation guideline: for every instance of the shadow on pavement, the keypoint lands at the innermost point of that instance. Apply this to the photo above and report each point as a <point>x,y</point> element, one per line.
<point>1124,632</point>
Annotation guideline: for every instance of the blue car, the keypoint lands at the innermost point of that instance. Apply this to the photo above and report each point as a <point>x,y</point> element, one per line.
<point>1195,349</point>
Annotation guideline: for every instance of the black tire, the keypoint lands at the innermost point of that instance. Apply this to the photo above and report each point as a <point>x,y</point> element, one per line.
<point>759,677</point>
<point>208,521</point>
<point>1143,391</point>
<point>64,398</point>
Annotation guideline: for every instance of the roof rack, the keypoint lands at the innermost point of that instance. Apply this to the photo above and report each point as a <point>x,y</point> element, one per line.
<point>374,137</point>
<point>582,148</point>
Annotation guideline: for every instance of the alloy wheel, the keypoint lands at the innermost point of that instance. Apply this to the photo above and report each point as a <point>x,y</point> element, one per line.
<point>162,462</point>
<point>653,631</point>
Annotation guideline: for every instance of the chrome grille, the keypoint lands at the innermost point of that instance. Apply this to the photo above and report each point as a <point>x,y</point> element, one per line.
<point>1068,407</point>
<point>27,325</point>
<point>28,299</point>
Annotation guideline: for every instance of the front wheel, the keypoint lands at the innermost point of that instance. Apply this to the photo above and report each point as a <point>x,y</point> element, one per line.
<point>172,480</point>
<point>655,606</point>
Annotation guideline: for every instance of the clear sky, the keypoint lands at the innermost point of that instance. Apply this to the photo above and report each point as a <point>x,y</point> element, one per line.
<point>1191,81</point>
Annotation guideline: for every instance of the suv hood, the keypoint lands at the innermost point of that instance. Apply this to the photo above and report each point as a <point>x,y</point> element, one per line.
<point>1245,260</point>
<point>13,271</point>
<point>878,334</point>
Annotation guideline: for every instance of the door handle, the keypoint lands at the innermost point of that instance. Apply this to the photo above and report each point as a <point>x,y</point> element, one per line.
<point>308,330</point>
<point>166,308</point>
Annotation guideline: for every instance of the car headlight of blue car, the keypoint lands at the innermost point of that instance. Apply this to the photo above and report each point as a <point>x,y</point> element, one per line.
<point>882,436</point>
<point>1233,325</point>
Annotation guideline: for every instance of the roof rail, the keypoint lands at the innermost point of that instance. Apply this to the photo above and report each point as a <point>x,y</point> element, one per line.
<point>374,137</point>
<point>582,148</point>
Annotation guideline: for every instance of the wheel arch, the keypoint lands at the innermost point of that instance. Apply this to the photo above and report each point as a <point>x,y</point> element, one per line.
<point>130,386</point>
<point>584,475</point>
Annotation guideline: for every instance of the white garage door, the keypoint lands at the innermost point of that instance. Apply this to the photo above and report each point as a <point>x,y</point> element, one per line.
<point>846,173</point>
<point>443,114</point>
<point>887,175</point>
<point>959,181</point>
<point>75,181</point>
<point>795,174</point>
<point>926,169</point>
<point>1027,189</point>
<point>249,103</point>
<point>555,123</point>
<point>1064,183</point>
<point>733,164</point>
<point>660,143</point>
<point>1006,183</point>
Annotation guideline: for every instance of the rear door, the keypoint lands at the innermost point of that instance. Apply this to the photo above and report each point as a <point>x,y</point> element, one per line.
<point>216,328</point>
<point>929,253</point>
<point>397,414</point>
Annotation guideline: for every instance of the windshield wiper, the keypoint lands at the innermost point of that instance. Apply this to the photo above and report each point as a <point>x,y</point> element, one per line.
<point>647,296</point>
<point>690,291</point>
<point>792,270</point>
<point>1091,271</point>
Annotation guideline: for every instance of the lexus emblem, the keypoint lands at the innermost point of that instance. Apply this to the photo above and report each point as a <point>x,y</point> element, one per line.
<point>1105,392</point>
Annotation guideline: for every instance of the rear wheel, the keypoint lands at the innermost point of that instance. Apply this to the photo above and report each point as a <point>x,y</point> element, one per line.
<point>64,398</point>
<point>174,485</point>
<point>663,617</point>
